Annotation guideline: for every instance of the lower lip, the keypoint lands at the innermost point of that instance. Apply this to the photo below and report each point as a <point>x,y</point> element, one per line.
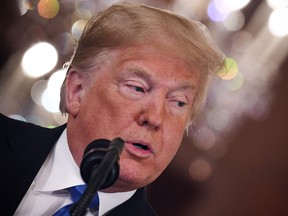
<point>137,152</point>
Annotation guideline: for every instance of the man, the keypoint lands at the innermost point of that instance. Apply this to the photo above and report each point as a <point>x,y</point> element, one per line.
<point>138,73</point>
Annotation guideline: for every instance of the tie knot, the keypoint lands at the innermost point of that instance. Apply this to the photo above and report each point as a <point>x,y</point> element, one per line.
<point>76,193</point>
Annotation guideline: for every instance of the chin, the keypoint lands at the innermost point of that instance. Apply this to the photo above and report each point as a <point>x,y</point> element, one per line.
<point>133,175</point>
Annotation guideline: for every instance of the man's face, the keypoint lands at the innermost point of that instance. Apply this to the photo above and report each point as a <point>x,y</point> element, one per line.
<point>145,97</point>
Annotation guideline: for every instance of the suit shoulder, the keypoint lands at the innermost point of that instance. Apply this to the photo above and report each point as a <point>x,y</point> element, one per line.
<point>10,124</point>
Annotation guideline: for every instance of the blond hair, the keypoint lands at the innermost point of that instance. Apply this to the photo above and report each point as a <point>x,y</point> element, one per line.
<point>124,25</point>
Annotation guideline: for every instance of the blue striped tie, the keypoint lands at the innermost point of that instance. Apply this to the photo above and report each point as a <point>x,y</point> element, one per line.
<point>76,192</point>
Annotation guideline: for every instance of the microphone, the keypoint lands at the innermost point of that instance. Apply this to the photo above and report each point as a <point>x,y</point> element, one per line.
<point>99,169</point>
<point>92,158</point>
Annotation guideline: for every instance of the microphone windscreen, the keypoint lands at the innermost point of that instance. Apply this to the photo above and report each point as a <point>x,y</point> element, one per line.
<point>97,144</point>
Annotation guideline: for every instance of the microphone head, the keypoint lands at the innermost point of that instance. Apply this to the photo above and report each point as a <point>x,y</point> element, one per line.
<point>96,145</point>
<point>92,158</point>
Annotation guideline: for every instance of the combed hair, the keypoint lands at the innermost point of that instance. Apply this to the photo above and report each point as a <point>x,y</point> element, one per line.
<point>124,25</point>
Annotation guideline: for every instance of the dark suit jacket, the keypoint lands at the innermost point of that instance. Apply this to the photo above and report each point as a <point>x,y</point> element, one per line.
<point>23,149</point>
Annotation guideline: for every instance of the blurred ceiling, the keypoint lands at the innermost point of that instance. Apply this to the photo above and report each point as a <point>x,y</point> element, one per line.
<point>234,159</point>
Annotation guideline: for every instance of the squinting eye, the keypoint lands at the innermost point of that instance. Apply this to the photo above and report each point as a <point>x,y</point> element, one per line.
<point>133,89</point>
<point>139,89</point>
<point>181,103</point>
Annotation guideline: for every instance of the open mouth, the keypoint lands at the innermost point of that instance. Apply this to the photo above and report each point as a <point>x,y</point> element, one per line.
<point>139,149</point>
<point>140,146</point>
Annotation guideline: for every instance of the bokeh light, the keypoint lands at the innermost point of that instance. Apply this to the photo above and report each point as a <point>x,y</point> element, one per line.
<point>37,91</point>
<point>259,108</point>
<point>39,59</point>
<point>215,14</point>
<point>235,21</point>
<point>204,138</point>
<point>278,22</point>
<point>85,9</point>
<point>78,27</point>
<point>65,42</point>
<point>276,4</point>
<point>48,8</point>
<point>217,151</point>
<point>200,170</point>
<point>196,9</point>
<point>234,84</point>
<point>220,10</point>
<point>23,6</point>
<point>51,95</point>
<point>230,71</point>
<point>227,6</point>
<point>218,119</point>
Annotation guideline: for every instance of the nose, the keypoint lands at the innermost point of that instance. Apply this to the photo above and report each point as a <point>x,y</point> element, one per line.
<point>152,114</point>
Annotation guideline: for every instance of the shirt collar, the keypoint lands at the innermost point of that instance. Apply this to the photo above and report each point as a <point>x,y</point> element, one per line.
<point>61,165</point>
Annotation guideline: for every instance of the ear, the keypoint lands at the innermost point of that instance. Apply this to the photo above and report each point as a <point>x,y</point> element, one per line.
<point>74,91</point>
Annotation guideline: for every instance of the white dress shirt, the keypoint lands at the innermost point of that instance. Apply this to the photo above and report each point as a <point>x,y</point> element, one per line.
<point>59,171</point>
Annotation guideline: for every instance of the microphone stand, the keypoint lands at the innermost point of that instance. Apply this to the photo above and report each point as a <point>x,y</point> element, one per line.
<point>98,177</point>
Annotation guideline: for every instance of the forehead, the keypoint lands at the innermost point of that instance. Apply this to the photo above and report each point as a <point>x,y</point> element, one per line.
<point>150,61</point>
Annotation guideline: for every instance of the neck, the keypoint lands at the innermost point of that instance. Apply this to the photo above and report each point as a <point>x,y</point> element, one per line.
<point>75,145</point>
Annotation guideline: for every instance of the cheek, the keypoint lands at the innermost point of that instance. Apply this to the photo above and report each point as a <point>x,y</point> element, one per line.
<point>171,141</point>
<point>95,117</point>
<point>169,151</point>
<point>108,115</point>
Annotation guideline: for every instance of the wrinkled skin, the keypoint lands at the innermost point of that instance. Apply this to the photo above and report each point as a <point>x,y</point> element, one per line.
<point>145,97</point>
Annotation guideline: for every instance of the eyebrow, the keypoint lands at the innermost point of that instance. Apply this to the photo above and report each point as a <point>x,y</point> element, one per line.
<point>140,73</point>
<point>184,84</point>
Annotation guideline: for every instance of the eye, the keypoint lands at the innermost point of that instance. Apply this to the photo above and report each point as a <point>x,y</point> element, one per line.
<point>181,103</point>
<point>138,89</point>
<point>133,89</point>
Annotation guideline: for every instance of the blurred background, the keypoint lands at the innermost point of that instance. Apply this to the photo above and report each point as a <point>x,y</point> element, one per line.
<point>234,160</point>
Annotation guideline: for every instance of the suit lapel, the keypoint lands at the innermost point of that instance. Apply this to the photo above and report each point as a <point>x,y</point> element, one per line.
<point>26,151</point>
<point>136,205</point>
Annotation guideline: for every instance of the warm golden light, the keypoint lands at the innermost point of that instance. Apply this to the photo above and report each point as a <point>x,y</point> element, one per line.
<point>48,8</point>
